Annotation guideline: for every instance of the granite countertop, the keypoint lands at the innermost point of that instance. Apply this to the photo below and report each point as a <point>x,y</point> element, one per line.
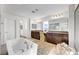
<point>43,47</point>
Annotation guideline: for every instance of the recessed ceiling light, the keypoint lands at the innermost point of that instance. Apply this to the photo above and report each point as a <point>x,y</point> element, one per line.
<point>36,9</point>
<point>57,16</point>
<point>33,11</point>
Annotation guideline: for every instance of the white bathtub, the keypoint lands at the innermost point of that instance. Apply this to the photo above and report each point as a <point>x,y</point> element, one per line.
<point>21,47</point>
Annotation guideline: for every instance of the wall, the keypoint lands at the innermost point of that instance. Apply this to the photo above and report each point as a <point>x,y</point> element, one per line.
<point>39,26</point>
<point>77,29</point>
<point>71,25</point>
<point>0,30</point>
<point>26,31</point>
<point>28,28</point>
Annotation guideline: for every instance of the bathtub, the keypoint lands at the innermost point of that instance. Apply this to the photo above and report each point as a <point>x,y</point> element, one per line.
<point>21,47</point>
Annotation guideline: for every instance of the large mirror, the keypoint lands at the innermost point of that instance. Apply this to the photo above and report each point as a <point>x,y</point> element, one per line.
<point>60,24</point>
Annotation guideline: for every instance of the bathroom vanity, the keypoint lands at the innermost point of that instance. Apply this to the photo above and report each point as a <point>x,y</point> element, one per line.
<point>53,37</point>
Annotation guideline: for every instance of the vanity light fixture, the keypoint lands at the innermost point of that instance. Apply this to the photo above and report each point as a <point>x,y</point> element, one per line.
<point>57,16</point>
<point>33,11</point>
<point>36,9</point>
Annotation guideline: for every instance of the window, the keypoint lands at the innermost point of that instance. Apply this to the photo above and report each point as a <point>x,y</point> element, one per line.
<point>45,26</point>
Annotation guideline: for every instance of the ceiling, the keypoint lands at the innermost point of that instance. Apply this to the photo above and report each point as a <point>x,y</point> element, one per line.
<point>25,10</point>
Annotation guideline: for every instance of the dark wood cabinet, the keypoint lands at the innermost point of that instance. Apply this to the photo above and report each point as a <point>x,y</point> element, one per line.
<point>35,34</point>
<point>54,37</point>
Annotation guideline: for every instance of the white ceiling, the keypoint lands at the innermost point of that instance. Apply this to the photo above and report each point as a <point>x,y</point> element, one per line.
<point>25,10</point>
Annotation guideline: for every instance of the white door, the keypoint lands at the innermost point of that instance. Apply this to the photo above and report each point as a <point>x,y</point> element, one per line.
<point>10,29</point>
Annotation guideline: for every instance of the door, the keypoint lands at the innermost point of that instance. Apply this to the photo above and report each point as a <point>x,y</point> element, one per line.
<point>10,29</point>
